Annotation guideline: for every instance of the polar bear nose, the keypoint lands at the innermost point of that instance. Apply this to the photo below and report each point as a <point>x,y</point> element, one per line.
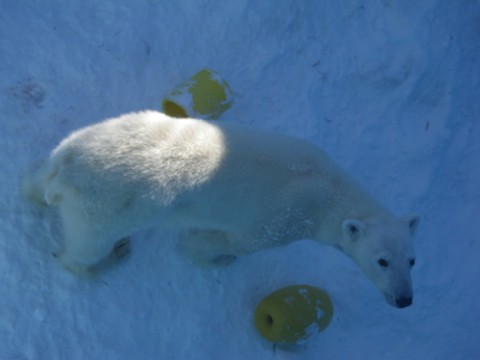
<point>403,302</point>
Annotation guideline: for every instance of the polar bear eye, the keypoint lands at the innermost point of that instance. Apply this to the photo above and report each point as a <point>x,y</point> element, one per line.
<point>383,263</point>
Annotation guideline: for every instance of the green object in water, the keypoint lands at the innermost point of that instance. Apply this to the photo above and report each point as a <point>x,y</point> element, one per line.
<point>205,95</point>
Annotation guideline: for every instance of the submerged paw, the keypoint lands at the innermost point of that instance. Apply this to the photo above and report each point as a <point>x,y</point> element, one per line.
<point>121,248</point>
<point>222,260</point>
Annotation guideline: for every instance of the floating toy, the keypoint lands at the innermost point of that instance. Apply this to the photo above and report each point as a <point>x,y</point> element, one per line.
<point>205,95</point>
<point>293,314</point>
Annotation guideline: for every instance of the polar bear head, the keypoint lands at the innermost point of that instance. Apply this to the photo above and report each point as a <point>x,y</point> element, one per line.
<point>382,248</point>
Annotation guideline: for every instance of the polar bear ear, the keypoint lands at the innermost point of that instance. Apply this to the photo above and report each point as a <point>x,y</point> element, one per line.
<point>412,220</point>
<point>353,229</point>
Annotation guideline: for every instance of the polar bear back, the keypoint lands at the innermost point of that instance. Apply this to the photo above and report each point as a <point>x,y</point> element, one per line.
<point>191,172</point>
<point>172,155</point>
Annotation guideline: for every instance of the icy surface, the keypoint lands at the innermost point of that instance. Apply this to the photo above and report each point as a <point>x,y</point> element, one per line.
<point>389,88</point>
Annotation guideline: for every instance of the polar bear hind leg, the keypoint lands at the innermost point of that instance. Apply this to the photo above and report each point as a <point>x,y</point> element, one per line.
<point>120,251</point>
<point>89,248</point>
<point>207,248</point>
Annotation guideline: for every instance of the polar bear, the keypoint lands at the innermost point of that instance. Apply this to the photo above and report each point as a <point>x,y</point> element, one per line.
<point>230,190</point>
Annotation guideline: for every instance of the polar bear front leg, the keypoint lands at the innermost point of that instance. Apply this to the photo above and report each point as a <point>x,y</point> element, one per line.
<point>207,248</point>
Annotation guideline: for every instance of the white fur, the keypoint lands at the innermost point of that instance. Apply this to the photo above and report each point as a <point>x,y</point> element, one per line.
<point>232,190</point>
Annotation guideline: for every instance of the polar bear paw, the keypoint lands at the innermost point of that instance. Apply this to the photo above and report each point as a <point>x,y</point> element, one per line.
<point>80,270</point>
<point>119,253</point>
<point>207,248</point>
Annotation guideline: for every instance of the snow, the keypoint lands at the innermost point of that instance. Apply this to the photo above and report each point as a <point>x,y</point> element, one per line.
<point>389,88</point>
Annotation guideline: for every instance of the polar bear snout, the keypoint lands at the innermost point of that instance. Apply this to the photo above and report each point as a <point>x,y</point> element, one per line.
<point>403,302</point>
<point>399,301</point>
<point>401,298</point>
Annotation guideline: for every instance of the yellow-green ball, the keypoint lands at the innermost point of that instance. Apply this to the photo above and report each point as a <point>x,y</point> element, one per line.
<point>293,314</point>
